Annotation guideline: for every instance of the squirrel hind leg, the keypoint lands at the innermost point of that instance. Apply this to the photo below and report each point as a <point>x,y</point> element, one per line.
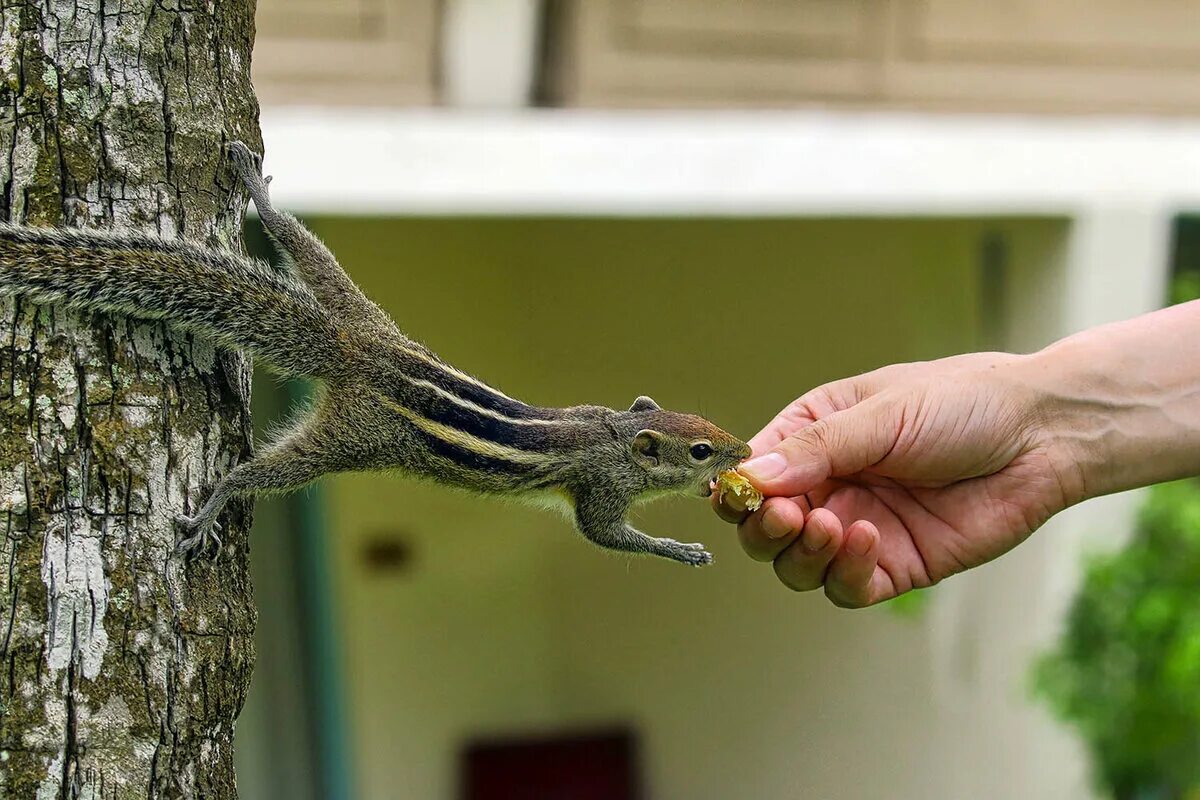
<point>290,463</point>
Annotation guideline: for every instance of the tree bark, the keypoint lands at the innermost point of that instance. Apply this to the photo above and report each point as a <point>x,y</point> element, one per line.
<point>121,668</point>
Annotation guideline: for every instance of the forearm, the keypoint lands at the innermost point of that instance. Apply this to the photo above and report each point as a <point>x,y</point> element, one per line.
<point>1119,405</point>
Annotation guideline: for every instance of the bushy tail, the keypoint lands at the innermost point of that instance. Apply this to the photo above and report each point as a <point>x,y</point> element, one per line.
<point>238,302</point>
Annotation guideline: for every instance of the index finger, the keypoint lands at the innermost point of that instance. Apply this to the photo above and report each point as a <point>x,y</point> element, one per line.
<point>793,417</point>
<point>805,410</point>
<point>727,509</point>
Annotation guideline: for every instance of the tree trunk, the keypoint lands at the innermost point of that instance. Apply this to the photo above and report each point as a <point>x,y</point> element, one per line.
<point>121,668</point>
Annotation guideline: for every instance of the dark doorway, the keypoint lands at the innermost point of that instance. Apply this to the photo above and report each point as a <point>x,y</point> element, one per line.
<point>588,766</point>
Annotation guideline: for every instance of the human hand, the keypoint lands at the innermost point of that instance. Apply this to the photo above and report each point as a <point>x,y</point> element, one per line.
<point>896,479</point>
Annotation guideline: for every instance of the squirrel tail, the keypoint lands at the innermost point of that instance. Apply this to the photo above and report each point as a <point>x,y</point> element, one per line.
<point>238,302</point>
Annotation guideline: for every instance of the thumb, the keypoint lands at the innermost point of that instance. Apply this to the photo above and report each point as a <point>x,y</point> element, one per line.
<point>842,443</point>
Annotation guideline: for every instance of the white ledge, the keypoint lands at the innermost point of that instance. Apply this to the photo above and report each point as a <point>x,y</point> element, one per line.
<point>725,163</point>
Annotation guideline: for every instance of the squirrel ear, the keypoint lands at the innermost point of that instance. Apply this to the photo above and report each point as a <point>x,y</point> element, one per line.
<point>644,403</point>
<point>645,446</point>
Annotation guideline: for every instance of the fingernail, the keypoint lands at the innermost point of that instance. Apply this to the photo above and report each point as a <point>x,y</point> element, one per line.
<point>859,544</point>
<point>773,525</point>
<point>815,539</point>
<point>765,467</point>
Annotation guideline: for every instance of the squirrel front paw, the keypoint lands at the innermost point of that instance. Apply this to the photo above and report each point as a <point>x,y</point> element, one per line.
<point>691,553</point>
<point>199,537</point>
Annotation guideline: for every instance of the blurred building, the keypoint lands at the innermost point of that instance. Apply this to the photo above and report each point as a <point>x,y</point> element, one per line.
<point>719,204</point>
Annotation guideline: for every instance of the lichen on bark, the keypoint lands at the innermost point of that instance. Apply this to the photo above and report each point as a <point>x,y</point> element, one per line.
<point>121,668</point>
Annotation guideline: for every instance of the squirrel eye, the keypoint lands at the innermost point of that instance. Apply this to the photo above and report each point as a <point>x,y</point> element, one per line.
<point>701,451</point>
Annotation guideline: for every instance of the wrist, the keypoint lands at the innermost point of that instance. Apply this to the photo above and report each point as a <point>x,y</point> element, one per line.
<point>1116,407</point>
<point>1075,410</point>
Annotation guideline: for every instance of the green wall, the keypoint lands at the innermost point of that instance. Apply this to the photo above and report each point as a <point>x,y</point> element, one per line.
<point>502,619</point>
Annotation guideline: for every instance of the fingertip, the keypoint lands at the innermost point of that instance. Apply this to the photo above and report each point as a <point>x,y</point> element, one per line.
<point>861,538</point>
<point>765,468</point>
<point>851,579</point>
<point>788,470</point>
<point>822,531</point>
<point>726,510</point>
<point>781,518</point>
<point>772,528</point>
<point>803,564</point>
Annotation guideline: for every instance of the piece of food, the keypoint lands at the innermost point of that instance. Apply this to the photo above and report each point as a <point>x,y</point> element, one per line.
<point>733,482</point>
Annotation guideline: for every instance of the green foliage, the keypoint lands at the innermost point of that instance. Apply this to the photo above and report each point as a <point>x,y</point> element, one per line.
<point>910,604</point>
<point>1185,286</point>
<point>1127,670</point>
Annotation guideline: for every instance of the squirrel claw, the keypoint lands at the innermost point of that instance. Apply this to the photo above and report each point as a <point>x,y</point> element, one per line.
<point>201,539</point>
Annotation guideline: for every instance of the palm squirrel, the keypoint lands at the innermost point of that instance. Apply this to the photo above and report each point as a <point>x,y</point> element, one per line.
<point>387,401</point>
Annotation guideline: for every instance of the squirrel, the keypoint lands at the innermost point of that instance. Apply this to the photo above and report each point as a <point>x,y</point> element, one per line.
<point>386,402</point>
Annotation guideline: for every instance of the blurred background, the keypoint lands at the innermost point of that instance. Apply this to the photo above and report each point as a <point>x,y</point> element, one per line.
<point>723,204</point>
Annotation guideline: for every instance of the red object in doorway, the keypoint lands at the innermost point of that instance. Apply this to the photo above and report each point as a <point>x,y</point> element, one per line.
<point>580,766</point>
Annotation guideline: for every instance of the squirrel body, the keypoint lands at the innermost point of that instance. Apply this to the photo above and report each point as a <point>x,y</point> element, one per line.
<point>387,402</point>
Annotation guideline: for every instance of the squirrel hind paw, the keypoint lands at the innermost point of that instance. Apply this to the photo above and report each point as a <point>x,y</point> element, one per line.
<point>200,540</point>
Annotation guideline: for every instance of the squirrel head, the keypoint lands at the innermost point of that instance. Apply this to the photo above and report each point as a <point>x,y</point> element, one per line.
<point>678,452</point>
